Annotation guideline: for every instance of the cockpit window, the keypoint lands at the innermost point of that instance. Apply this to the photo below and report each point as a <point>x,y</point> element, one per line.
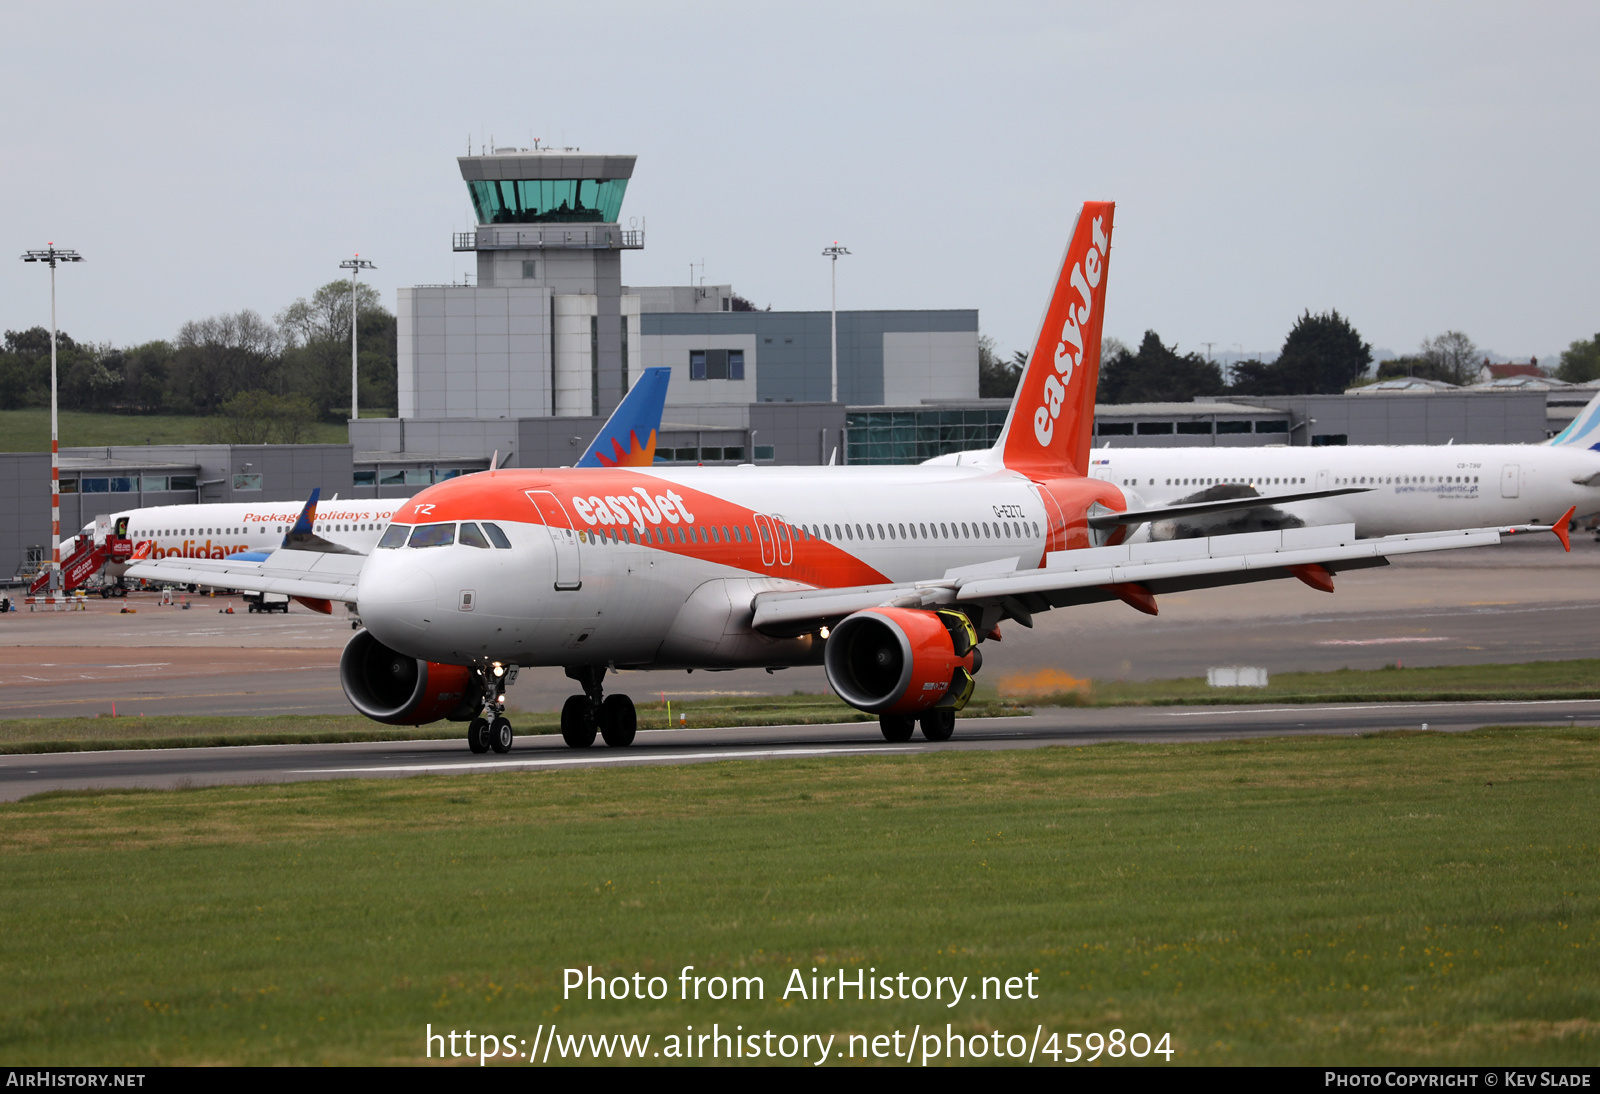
<point>433,535</point>
<point>496,536</point>
<point>395,535</point>
<point>472,537</point>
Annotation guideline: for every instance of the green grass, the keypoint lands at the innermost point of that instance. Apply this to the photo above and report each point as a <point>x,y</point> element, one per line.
<point>30,735</point>
<point>1531,680</point>
<point>1392,899</point>
<point>29,430</point>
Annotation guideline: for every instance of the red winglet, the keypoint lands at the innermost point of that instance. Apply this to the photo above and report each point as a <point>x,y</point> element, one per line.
<point>1561,530</point>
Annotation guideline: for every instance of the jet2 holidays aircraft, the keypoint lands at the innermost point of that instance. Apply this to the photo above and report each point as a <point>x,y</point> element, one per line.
<point>241,531</point>
<point>891,577</point>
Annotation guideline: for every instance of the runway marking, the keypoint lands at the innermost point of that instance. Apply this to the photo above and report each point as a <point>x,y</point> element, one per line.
<point>744,754</point>
<point>1377,641</point>
<point>1376,706</point>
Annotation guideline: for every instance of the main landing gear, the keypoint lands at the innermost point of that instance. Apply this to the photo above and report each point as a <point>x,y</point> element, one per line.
<point>582,716</point>
<point>937,725</point>
<point>492,729</point>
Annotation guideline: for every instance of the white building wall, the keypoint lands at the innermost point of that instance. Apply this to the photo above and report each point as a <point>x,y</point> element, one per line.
<point>630,319</point>
<point>574,375</point>
<point>672,351</point>
<point>929,365</point>
<point>467,352</point>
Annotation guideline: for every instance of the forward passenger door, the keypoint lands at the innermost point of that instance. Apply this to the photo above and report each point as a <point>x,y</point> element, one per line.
<point>569,562</point>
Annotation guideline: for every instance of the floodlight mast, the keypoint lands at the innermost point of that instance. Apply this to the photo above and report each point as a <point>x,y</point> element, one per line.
<point>52,255</point>
<point>833,316</point>
<point>355,266</point>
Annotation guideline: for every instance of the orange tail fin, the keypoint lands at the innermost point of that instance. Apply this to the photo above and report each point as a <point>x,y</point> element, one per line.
<point>1051,424</point>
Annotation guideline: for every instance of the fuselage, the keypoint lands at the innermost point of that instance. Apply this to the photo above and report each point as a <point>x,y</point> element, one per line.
<point>1404,488</point>
<point>219,529</point>
<point>658,567</point>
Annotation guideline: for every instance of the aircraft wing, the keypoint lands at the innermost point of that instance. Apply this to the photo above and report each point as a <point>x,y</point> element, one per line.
<point>313,575</point>
<point>1110,519</point>
<point>1135,573</point>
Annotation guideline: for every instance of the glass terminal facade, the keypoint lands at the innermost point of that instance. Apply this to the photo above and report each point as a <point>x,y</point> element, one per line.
<point>548,201</point>
<point>911,436</point>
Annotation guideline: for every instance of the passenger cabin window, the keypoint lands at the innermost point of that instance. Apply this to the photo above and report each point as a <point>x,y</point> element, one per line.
<point>394,536</point>
<point>433,535</point>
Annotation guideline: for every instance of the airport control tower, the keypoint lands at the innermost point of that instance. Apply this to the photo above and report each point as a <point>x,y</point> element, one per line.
<point>545,330</point>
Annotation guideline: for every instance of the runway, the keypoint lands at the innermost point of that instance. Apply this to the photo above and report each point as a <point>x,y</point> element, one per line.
<point>1525,600</point>
<point>21,776</point>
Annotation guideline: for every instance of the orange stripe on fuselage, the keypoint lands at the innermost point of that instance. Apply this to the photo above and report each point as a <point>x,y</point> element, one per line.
<point>502,496</point>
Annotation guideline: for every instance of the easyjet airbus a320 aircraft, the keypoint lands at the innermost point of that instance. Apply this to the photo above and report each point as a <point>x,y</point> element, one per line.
<point>891,577</point>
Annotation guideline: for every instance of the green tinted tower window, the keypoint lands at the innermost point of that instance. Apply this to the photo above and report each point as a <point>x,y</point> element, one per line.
<point>547,201</point>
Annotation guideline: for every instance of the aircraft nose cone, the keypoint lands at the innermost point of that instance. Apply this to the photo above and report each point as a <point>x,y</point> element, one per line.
<point>397,604</point>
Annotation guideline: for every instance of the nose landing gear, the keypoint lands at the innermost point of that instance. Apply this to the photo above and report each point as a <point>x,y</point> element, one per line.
<point>492,729</point>
<point>583,716</point>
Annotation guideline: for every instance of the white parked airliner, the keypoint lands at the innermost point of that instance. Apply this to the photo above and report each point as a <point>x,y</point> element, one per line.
<point>1395,488</point>
<point>889,576</point>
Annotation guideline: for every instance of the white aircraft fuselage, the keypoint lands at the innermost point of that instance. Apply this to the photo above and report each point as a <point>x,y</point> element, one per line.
<point>1404,488</point>
<point>635,567</point>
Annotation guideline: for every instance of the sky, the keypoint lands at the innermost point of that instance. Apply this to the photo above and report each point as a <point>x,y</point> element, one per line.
<point>1419,167</point>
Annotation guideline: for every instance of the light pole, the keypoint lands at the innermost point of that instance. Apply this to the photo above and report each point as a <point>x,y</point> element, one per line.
<point>52,256</point>
<point>833,253</point>
<point>355,266</point>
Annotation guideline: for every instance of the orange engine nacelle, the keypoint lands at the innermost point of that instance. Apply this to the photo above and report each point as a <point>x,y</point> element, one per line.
<point>398,690</point>
<point>903,660</point>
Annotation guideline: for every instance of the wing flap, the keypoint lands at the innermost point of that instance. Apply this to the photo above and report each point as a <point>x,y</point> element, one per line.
<point>1085,576</point>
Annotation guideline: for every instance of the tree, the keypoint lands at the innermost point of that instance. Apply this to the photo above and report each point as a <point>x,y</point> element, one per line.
<point>316,335</point>
<point>1156,373</point>
<point>1452,356</point>
<point>219,357</point>
<point>257,417</point>
<point>1322,355</point>
<point>997,378</point>
<point>1420,367</point>
<point>1580,362</point>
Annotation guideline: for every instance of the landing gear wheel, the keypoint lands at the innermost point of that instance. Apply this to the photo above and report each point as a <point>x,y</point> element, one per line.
<point>897,727</point>
<point>577,728</point>
<point>938,725</point>
<point>478,735</point>
<point>500,735</point>
<point>618,721</point>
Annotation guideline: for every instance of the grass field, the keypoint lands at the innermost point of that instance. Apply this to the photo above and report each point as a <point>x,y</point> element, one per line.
<point>1013,696</point>
<point>1453,683</point>
<point>26,735</point>
<point>29,430</point>
<point>1393,899</point>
